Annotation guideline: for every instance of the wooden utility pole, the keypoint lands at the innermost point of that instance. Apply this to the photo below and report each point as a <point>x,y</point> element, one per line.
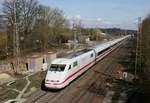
<point>140,44</point>
<point>16,39</point>
<point>75,37</point>
<point>138,47</point>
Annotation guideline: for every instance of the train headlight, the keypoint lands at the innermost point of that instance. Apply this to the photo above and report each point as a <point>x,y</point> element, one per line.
<point>57,81</point>
<point>52,80</point>
<point>47,80</point>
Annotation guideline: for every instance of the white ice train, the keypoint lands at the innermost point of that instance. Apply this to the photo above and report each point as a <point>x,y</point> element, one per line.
<point>63,70</point>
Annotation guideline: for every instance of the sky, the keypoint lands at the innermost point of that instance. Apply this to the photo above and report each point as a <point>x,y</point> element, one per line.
<point>103,13</point>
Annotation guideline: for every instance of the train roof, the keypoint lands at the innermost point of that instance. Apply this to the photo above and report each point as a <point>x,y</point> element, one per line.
<point>76,54</point>
<point>60,61</point>
<point>97,48</point>
<point>105,45</point>
<point>101,46</point>
<point>66,59</point>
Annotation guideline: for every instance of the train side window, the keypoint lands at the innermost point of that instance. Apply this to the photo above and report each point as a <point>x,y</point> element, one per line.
<point>75,64</point>
<point>69,67</point>
<point>91,55</point>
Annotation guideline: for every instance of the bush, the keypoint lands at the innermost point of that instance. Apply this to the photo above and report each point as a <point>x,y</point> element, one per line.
<point>2,55</point>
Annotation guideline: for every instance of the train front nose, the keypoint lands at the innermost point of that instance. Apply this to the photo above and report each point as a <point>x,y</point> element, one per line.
<point>55,76</point>
<point>54,84</point>
<point>54,81</point>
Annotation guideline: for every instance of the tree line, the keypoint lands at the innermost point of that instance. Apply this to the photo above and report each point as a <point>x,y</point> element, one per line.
<point>39,27</point>
<point>36,24</point>
<point>144,73</point>
<point>142,80</point>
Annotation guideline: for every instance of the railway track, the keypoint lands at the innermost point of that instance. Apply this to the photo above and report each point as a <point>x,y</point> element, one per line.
<point>40,96</point>
<point>88,88</point>
<point>96,87</point>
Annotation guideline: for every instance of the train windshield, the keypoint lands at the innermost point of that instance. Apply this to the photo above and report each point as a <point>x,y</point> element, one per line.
<point>57,67</point>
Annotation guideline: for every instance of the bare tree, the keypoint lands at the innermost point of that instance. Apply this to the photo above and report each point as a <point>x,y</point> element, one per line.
<point>50,25</point>
<point>42,25</point>
<point>21,14</point>
<point>35,22</point>
<point>26,12</point>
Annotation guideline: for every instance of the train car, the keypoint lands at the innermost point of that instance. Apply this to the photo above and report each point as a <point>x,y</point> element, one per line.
<point>64,70</point>
<point>103,49</point>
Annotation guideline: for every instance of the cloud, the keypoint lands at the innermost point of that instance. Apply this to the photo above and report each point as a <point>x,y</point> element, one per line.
<point>78,17</point>
<point>1,1</point>
<point>88,21</point>
<point>75,18</point>
<point>101,22</point>
<point>99,19</point>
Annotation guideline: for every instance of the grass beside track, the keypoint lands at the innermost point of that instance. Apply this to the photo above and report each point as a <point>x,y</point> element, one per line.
<point>6,94</point>
<point>36,82</point>
<point>37,79</point>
